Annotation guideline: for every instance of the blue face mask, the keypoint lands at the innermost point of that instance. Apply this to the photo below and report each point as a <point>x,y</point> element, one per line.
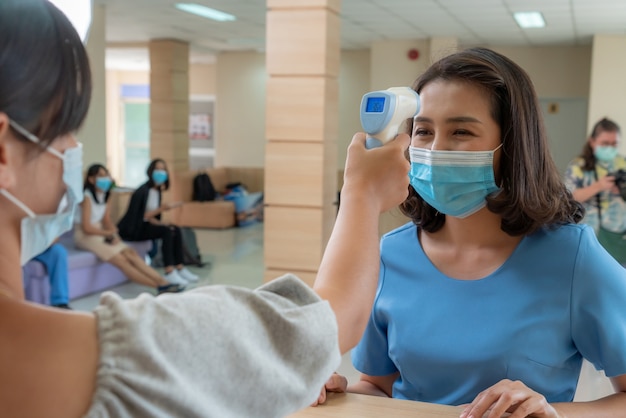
<point>38,232</point>
<point>455,183</point>
<point>605,154</point>
<point>159,176</point>
<point>104,183</point>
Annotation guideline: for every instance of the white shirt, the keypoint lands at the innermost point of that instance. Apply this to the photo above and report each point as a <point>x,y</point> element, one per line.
<point>153,200</point>
<point>97,209</point>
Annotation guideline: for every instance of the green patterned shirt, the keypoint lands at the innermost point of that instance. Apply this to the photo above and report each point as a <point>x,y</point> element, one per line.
<point>612,205</point>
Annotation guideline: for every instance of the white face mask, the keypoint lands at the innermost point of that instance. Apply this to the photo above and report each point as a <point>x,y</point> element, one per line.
<point>39,231</point>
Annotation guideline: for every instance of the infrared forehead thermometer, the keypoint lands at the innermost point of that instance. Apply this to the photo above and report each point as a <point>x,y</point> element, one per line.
<point>382,113</point>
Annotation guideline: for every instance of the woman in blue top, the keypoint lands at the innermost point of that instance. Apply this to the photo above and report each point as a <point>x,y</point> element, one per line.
<point>492,295</point>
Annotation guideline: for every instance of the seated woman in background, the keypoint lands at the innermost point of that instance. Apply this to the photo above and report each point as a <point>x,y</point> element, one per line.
<point>142,221</point>
<point>96,232</point>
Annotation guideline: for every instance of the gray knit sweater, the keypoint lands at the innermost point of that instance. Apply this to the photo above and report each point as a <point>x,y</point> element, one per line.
<point>215,351</point>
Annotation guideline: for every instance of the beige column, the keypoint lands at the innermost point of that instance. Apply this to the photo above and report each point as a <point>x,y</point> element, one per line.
<point>302,53</point>
<point>608,84</point>
<point>169,102</point>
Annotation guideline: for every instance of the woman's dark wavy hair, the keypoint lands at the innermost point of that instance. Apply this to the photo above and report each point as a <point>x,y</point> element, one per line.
<point>45,80</point>
<point>92,171</point>
<point>603,125</point>
<point>151,169</point>
<point>532,193</point>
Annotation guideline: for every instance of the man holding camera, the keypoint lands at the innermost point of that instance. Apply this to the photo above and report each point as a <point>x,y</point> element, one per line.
<point>597,179</point>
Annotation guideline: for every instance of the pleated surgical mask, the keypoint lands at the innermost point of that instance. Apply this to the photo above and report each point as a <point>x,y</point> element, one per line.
<point>455,183</point>
<point>38,231</point>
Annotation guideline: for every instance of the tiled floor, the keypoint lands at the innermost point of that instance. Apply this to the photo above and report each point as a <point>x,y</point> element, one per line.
<point>236,258</point>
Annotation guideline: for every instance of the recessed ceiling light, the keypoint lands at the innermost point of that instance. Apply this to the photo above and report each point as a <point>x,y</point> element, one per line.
<point>204,11</point>
<point>529,20</point>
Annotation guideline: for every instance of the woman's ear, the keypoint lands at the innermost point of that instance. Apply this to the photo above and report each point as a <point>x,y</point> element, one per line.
<point>7,177</point>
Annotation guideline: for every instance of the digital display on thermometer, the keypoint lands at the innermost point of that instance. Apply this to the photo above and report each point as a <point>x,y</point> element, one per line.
<point>375,104</point>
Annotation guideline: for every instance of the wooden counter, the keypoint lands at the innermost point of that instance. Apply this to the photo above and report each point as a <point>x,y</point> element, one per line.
<point>350,405</point>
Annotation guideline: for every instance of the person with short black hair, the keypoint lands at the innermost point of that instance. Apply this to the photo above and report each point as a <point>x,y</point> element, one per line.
<point>214,351</point>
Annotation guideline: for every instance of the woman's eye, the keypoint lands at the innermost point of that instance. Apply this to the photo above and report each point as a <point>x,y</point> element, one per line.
<point>421,132</point>
<point>462,132</point>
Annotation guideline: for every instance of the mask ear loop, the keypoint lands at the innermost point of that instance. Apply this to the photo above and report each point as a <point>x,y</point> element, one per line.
<point>494,152</point>
<point>19,204</point>
<point>33,138</point>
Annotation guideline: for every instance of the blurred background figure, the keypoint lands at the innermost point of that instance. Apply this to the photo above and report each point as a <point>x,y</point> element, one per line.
<point>597,179</point>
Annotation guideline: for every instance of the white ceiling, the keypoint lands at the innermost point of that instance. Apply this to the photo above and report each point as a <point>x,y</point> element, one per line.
<point>473,22</point>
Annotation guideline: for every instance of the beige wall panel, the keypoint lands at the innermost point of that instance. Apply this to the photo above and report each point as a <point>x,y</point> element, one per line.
<point>293,238</point>
<point>608,84</point>
<point>330,190</point>
<point>168,55</point>
<point>202,79</point>
<point>390,220</point>
<point>403,71</point>
<point>294,174</point>
<point>354,82</point>
<point>297,46</point>
<point>170,87</point>
<point>556,71</point>
<point>169,116</point>
<point>306,276</point>
<point>329,212</point>
<point>240,109</point>
<point>301,108</point>
<point>304,4</point>
<point>93,132</point>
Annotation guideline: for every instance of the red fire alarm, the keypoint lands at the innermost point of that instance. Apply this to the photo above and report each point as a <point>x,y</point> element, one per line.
<point>413,54</point>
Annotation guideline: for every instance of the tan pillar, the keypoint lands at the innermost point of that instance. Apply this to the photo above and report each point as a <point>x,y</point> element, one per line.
<point>169,102</point>
<point>608,86</point>
<point>302,53</point>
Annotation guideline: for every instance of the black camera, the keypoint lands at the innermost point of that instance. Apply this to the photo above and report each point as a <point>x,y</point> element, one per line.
<point>620,181</point>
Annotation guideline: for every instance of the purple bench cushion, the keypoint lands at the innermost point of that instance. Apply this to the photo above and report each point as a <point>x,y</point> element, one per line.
<point>87,274</point>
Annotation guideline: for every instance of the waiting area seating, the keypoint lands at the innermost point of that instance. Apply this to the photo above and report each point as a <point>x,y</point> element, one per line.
<point>87,274</point>
<point>219,213</point>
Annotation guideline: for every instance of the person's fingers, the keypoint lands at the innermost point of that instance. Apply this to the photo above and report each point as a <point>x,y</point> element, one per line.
<point>320,399</point>
<point>358,138</point>
<point>337,383</point>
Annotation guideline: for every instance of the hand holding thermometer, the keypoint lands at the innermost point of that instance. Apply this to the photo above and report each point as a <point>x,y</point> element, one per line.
<point>382,113</point>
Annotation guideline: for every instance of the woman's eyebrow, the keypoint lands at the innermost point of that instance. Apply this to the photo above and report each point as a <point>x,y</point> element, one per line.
<point>456,119</point>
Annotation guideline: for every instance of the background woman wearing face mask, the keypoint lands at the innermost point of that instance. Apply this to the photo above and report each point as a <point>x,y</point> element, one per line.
<point>216,351</point>
<point>142,221</point>
<point>95,232</point>
<point>592,179</point>
<point>492,295</point>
